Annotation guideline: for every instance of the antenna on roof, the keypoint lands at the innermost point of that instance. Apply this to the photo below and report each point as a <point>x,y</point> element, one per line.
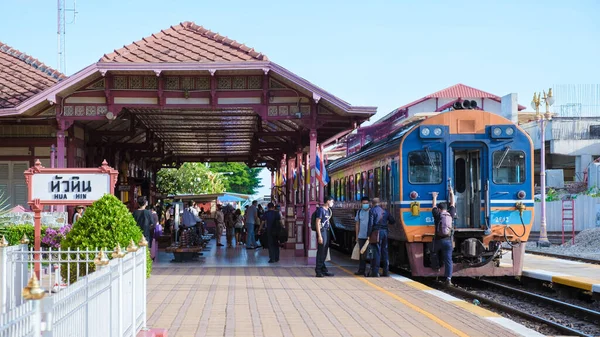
<point>61,23</point>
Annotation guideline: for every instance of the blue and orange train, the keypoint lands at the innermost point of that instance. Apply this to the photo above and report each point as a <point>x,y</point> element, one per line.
<point>487,159</point>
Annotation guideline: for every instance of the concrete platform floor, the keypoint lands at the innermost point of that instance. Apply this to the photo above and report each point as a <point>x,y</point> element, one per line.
<point>235,292</point>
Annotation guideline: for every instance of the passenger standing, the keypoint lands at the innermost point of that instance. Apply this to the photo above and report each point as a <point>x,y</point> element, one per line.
<point>361,227</point>
<point>143,218</point>
<point>272,221</point>
<point>229,225</point>
<point>323,225</point>
<point>252,219</point>
<point>442,243</point>
<point>239,225</point>
<point>379,219</point>
<point>78,213</point>
<point>220,222</point>
<point>262,236</point>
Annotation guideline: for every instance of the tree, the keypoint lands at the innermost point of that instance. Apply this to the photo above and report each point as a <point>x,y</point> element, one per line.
<point>189,178</point>
<point>242,178</point>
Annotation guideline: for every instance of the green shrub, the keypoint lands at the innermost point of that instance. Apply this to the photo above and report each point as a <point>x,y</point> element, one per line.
<point>14,233</point>
<point>104,224</point>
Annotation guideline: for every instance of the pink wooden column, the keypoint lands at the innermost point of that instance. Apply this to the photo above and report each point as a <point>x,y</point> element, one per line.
<point>290,216</point>
<point>283,189</point>
<point>299,204</point>
<point>321,186</point>
<point>312,202</point>
<point>272,185</point>
<point>60,149</point>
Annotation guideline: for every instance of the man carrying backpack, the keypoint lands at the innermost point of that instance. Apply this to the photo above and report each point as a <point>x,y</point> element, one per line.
<point>443,216</point>
<point>322,227</point>
<point>379,219</point>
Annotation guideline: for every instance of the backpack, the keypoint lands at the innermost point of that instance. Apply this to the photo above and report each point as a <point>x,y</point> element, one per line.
<point>444,227</point>
<point>313,220</point>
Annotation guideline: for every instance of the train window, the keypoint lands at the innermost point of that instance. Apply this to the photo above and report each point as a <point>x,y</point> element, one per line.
<point>346,187</point>
<point>460,176</point>
<point>425,167</point>
<point>352,192</point>
<point>365,184</point>
<point>377,182</point>
<point>388,183</point>
<point>371,184</point>
<point>358,187</point>
<point>335,190</point>
<point>509,167</point>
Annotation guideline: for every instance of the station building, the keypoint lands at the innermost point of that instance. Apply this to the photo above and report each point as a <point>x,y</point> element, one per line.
<point>182,94</point>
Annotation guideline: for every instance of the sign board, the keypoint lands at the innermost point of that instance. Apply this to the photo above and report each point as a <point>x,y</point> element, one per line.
<point>50,187</point>
<point>65,186</point>
<point>124,188</point>
<point>69,186</point>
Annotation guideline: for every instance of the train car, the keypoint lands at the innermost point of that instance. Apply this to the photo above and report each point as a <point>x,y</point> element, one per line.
<point>486,158</point>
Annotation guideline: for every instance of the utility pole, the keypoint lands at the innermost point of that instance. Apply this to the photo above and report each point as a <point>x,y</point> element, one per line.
<point>61,30</point>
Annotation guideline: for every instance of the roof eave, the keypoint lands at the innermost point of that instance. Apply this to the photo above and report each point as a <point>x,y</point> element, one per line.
<point>265,66</point>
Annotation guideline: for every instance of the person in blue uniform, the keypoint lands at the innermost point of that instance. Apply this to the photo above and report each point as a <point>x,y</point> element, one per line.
<point>379,219</point>
<point>272,221</point>
<point>323,224</point>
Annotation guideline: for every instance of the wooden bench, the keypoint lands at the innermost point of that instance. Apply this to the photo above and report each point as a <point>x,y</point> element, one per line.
<point>181,254</point>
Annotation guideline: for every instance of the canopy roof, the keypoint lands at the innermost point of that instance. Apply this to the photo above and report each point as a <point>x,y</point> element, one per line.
<point>189,94</point>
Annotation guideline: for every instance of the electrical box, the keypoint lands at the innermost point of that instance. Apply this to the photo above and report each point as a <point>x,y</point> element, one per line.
<point>555,178</point>
<point>594,175</point>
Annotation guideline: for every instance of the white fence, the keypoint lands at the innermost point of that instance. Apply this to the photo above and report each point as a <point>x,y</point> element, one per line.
<point>587,214</point>
<point>110,301</point>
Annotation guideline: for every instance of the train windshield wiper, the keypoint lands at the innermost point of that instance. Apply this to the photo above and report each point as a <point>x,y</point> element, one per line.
<point>430,159</point>
<point>503,157</point>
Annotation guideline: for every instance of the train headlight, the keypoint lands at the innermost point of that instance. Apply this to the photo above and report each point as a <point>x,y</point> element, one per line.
<point>437,131</point>
<point>414,195</point>
<point>510,131</point>
<point>425,132</point>
<point>497,131</point>
<point>521,194</point>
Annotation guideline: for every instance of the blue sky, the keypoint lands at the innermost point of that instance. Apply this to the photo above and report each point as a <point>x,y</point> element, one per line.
<point>382,53</point>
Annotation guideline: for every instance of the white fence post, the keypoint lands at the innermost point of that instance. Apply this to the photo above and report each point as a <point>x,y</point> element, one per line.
<point>4,276</point>
<point>86,299</point>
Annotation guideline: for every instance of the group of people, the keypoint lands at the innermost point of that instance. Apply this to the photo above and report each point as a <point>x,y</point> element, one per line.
<point>256,225</point>
<point>256,228</point>
<point>371,224</point>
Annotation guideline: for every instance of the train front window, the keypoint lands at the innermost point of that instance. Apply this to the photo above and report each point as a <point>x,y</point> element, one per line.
<point>425,167</point>
<point>509,167</point>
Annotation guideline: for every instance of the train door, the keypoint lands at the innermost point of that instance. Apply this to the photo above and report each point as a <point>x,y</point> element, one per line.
<point>468,187</point>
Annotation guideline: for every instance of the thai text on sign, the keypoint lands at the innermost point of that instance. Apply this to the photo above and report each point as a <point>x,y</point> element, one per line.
<point>64,187</point>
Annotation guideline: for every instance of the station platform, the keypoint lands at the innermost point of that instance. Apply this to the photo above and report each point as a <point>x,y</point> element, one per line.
<point>580,275</point>
<point>236,292</point>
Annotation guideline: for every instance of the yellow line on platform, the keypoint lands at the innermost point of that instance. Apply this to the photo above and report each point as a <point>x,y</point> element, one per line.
<point>408,304</point>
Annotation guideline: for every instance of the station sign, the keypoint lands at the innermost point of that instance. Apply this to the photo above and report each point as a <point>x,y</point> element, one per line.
<point>65,187</point>
<point>69,186</point>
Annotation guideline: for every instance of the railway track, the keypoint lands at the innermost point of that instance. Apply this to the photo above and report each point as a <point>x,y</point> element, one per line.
<point>563,317</point>
<point>564,257</point>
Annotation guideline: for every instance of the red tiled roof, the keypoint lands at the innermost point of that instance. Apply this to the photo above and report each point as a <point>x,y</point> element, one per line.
<point>22,76</point>
<point>463,91</point>
<point>186,42</point>
<point>456,91</point>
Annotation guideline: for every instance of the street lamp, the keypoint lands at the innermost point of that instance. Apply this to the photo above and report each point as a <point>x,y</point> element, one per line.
<point>542,118</point>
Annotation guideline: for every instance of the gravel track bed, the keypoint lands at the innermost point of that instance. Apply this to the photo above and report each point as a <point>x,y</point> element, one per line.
<point>563,297</point>
<point>540,310</point>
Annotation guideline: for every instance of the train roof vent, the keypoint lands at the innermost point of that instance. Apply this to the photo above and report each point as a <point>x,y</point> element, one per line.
<point>466,126</point>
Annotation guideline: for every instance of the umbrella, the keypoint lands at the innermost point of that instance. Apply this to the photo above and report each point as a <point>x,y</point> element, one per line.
<point>230,198</point>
